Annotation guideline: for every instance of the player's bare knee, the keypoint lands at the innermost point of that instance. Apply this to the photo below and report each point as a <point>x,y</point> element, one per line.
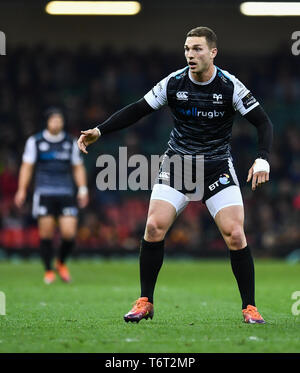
<point>68,233</point>
<point>68,236</point>
<point>46,234</point>
<point>154,231</point>
<point>236,238</point>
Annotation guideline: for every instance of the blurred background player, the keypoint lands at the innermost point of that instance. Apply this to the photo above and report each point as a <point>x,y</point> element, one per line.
<point>58,166</point>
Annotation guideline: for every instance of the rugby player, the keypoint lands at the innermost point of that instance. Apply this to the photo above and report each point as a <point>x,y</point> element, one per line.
<point>203,99</point>
<point>58,165</point>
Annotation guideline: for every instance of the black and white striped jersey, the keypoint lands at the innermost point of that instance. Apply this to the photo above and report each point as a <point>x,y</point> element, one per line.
<point>203,112</point>
<point>54,156</point>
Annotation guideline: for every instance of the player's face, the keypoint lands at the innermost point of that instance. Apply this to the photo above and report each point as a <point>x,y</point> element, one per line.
<point>55,124</point>
<point>198,54</point>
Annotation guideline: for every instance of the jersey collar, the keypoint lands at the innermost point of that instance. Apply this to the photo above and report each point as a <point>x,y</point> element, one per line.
<point>203,83</point>
<point>53,138</point>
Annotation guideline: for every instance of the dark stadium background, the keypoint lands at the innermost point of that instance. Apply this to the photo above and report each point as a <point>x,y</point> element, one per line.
<point>94,65</point>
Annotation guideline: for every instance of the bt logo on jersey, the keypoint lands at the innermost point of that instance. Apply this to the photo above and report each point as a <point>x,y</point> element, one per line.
<point>194,112</point>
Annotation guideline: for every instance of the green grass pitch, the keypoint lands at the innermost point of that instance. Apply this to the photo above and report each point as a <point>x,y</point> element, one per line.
<point>197,309</point>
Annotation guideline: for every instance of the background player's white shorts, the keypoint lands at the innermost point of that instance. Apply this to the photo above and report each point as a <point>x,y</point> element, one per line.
<point>227,197</point>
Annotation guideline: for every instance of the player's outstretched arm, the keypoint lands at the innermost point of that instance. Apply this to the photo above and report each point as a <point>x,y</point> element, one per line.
<point>121,119</point>
<point>260,170</point>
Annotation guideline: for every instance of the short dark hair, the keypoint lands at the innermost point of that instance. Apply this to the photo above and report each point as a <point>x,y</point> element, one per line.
<point>209,34</point>
<point>52,111</point>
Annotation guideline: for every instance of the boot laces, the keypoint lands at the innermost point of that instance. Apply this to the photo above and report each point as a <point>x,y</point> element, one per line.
<point>253,312</point>
<point>139,304</point>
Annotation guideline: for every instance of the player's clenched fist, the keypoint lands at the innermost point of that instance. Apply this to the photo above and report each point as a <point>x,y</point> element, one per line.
<point>87,138</point>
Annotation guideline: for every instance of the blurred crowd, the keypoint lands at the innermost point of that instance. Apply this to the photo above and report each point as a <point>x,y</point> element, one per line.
<point>91,85</point>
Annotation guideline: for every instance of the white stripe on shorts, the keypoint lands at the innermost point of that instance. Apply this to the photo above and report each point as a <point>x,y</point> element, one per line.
<point>232,171</point>
<point>35,205</point>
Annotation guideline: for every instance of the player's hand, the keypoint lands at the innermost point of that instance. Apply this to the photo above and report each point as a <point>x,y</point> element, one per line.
<point>20,198</point>
<point>83,197</point>
<point>259,173</point>
<point>87,138</point>
<point>82,201</point>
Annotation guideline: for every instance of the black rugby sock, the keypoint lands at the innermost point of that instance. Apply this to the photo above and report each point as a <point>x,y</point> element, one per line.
<point>243,269</point>
<point>65,249</point>
<point>46,253</point>
<point>151,260</point>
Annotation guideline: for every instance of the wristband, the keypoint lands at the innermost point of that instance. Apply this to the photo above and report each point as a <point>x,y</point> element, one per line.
<point>98,131</point>
<point>261,165</point>
<point>83,190</point>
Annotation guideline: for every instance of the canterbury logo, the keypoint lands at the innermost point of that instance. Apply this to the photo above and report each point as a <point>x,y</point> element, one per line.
<point>164,175</point>
<point>182,95</point>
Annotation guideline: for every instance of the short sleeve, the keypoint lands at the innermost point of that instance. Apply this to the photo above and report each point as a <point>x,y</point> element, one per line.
<point>76,156</point>
<point>157,97</point>
<point>30,153</point>
<point>243,100</point>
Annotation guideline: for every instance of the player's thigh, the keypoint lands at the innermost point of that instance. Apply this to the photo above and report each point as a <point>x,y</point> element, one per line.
<point>160,217</point>
<point>166,203</point>
<point>163,212</point>
<point>227,209</point>
<point>46,225</point>
<point>67,226</point>
<point>230,221</point>
<point>229,217</point>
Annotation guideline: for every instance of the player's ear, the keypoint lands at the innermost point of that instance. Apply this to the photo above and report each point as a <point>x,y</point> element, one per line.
<point>213,52</point>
